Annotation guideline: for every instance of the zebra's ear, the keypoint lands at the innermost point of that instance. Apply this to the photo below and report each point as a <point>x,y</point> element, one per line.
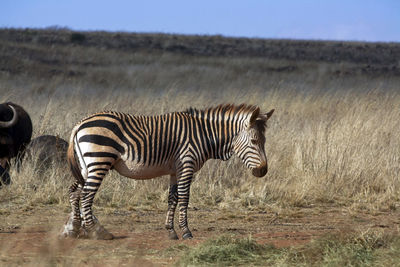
<point>266,116</point>
<point>269,114</point>
<point>254,116</point>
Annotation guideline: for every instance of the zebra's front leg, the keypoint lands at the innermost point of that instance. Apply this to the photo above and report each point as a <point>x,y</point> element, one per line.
<point>92,227</point>
<point>172,203</point>
<point>183,202</point>
<point>73,225</point>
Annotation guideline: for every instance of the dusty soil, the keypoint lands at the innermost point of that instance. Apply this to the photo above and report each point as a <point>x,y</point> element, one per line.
<point>30,237</point>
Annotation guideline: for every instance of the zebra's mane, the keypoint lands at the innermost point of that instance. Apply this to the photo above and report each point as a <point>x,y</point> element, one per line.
<point>223,108</point>
<point>243,109</point>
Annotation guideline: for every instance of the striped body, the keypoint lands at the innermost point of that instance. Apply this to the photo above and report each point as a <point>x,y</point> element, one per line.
<point>175,144</point>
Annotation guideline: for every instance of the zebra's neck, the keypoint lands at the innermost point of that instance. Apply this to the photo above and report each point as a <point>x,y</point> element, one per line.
<point>216,132</point>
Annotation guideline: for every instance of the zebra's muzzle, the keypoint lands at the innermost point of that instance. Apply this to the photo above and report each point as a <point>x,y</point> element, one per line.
<point>260,172</point>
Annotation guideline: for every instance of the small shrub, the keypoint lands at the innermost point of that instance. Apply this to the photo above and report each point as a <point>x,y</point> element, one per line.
<point>77,37</point>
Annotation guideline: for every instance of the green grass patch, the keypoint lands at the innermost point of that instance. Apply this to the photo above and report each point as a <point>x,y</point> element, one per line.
<point>371,248</point>
<point>227,250</point>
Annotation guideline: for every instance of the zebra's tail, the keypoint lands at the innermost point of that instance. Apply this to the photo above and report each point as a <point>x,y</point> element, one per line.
<point>73,161</point>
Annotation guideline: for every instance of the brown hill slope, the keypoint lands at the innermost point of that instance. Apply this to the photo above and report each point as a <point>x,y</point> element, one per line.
<point>387,54</point>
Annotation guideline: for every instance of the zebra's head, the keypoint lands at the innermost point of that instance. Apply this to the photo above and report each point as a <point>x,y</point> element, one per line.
<point>249,144</point>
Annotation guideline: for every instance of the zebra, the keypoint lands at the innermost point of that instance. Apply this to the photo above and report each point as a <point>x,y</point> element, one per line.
<point>143,147</point>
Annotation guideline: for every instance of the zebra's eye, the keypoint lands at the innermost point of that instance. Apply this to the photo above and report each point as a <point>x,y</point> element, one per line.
<point>253,141</point>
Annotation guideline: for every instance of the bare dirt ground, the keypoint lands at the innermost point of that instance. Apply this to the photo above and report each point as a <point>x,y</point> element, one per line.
<point>29,237</point>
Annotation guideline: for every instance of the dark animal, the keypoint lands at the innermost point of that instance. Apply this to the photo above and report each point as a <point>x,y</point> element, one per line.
<point>144,147</point>
<point>5,177</point>
<point>15,135</point>
<point>46,150</point>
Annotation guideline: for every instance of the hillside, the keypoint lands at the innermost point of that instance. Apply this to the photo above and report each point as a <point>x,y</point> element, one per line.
<point>47,47</point>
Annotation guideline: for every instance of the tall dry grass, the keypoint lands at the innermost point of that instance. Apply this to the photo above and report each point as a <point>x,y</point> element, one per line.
<point>333,146</point>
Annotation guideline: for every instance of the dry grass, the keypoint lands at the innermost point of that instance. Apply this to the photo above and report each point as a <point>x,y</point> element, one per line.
<point>337,147</point>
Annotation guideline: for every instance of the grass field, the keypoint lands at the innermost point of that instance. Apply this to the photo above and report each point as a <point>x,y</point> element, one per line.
<point>333,141</point>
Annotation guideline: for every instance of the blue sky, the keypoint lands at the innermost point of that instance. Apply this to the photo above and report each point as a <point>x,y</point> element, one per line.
<point>367,20</point>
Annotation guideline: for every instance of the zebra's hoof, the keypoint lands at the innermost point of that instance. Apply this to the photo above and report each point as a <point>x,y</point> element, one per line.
<point>68,234</point>
<point>187,235</point>
<point>172,235</point>
<point>70,229</point>
<point>99,233</point>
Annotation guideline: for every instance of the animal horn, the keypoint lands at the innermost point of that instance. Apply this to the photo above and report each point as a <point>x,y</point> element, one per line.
<point>8,124</point>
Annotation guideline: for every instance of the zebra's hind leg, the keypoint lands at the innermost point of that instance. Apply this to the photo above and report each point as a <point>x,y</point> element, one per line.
<point>91,225</point>
<point>72,227</point>
<point>172,203</point>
